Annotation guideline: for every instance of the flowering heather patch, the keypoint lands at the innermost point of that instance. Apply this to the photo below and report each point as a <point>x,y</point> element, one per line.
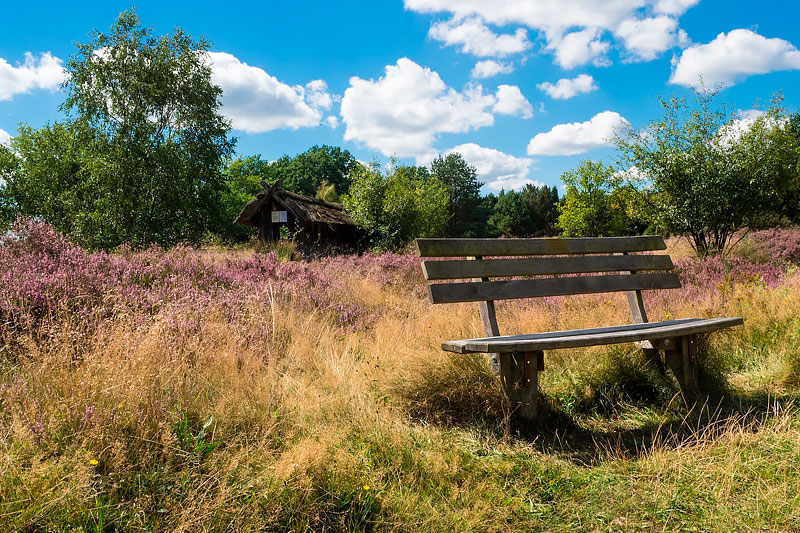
<point>710,272</point>
<point>387,268</point>
<point>780,244</point>
<point>42,272</point>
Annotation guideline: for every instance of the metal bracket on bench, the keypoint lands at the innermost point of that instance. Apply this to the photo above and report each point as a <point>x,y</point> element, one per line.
<point>527,361</point>
<point>526,365</point>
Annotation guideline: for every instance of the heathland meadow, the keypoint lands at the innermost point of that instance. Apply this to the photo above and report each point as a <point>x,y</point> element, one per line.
<point>223,389</point>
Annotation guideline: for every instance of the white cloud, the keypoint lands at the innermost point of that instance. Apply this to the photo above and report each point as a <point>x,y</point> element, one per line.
<point>731,132</point>
<point>497,169</point>
<point>404,111</point>
<point>730,58</point>
<point>647,38</point>
<point>317,94</point>
<point>510,101</point>
<point>46,72</point>
<point>633,174</point>
<point>257,102</point>
<point>577,137</point>
<point>573,29</point>
<point>579,48</point>
<point>567,88</point>
<point>673,7</point>
<point>750,115</point>
<point>540,14</point>
<point>4,136</point>
<point>474,37</point>
<point>332,121</point>
<point>489,67</point>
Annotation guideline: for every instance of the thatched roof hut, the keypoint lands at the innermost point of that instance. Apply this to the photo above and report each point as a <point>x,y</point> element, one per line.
<point>318,219</point>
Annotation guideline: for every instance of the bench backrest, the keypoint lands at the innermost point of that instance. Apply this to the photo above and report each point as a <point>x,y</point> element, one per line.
<point>590,265</point>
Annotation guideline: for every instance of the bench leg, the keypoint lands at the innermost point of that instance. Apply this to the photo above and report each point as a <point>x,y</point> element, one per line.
<point>683,363</point>
<point>519,376</point>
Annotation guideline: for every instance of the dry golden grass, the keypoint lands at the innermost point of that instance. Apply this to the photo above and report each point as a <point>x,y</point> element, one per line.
<point>374,428</point>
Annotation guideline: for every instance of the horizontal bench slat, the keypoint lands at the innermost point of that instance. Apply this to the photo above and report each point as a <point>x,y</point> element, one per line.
<point>533,288</point>
<point>462,269</point>
<point>550,246</point>
<point>590,337</point>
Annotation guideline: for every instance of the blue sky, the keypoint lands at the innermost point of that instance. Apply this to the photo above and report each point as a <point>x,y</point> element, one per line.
<point>524,89</point>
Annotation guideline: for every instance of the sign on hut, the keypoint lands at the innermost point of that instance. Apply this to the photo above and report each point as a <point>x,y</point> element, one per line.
<point>319,221</point>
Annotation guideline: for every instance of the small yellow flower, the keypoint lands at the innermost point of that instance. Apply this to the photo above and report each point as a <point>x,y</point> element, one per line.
<point>667,316</point>
<point>93,462</point>
<point>366,487</point>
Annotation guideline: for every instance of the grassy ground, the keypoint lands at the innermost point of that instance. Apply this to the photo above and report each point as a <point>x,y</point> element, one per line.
<point>225,391</point>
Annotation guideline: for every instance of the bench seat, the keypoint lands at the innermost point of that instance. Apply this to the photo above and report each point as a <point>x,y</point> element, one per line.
<point>590,337</point>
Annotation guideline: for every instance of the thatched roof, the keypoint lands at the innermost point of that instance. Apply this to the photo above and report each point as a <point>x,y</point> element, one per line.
<point>301,207</point>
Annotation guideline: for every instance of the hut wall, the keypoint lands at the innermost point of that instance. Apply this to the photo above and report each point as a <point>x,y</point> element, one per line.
<point>269,231</point>
<point>319,225</point>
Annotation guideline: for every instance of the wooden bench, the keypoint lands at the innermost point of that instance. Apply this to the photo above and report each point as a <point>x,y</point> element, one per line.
<point>565,267</point>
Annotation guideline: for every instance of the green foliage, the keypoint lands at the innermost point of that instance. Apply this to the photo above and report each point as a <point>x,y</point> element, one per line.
<point>788,139</point>
<point>50,161</point>
<point>305,173</point>
<point>542,202</point>
<point>706,175</point>
<point>530,212</point>
<point>622,378</point>
<point>594,205</point>
<point>327,192</point>
<point>138,160</point>
<point>9,163</point>
<point>397,207</point>
<point>194,445</point>
<point>242,177</point>
<point>466,216</point>
<point>358,507</point>
<point>487,205</point>
<point>511,215</point>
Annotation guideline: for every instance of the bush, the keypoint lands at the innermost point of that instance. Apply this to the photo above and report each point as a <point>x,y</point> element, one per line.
<point>398,207</point>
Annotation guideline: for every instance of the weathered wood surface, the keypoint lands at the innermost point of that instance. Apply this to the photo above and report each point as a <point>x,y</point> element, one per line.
<point>547,246</point>
<point>488,319</point>
<point>635,301</point>
<point>682,360</point>
<point>535,288</point>
<point>498,268</point>
<point>486,308</point>
<point>521,393</point>
<point>591,337</point>
<point>639,315</point>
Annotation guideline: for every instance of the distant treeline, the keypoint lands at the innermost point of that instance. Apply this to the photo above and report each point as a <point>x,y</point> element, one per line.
<point>397,204</point>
